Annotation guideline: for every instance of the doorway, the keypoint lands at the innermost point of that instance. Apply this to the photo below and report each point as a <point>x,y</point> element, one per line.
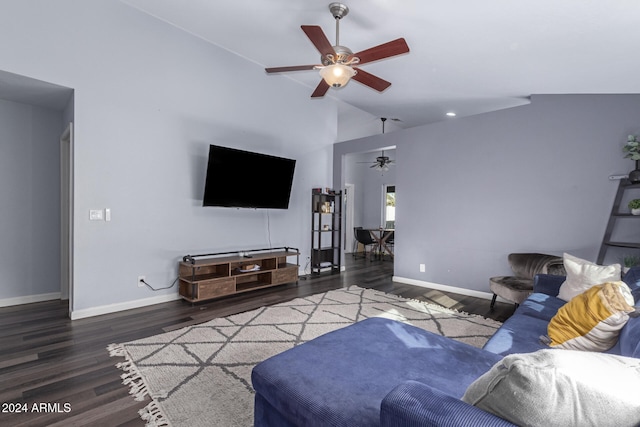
<point>349,212</point>
<point>66,216</point>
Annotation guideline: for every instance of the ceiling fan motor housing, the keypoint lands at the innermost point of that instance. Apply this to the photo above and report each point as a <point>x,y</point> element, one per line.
<point>342,55</point>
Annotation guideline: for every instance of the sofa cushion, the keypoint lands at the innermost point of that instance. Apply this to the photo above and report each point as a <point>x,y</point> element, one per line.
<point>632,279</point>
<point>561,387</point>
<point>582,274</point>
<point>592,320</point>
<point>540,306</point>
<point>548,284</point>
<point>340,378</point>
<point>629,341</point>
<point>518,334</point>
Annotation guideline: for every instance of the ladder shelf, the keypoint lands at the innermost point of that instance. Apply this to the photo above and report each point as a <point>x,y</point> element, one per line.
<point>614,217</point>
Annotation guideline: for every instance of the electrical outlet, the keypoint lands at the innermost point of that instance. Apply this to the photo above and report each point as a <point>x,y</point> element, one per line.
<point>423,268</point>
<point>140,280</point>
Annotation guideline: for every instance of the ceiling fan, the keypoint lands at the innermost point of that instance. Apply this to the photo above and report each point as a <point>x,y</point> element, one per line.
<point>382,162</point>
<point>338,63</point>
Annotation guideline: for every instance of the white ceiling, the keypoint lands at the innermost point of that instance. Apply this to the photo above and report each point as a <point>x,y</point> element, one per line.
<point>467,56</point>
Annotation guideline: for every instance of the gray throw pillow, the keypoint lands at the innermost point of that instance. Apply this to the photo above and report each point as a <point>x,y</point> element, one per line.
<point>555,387</point>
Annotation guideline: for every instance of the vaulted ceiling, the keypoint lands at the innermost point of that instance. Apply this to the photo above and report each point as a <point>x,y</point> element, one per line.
<point>467,56</point>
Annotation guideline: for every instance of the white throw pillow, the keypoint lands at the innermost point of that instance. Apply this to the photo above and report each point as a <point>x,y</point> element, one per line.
<point>556,387</point>
<point>583,274</point>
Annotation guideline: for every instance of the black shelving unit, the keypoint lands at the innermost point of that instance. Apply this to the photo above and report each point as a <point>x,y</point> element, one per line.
<point>618,212</point>
<point>326,233</point>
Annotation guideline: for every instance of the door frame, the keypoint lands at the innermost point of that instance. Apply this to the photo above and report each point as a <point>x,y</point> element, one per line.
<point>349,216</point>
<point>66,215</point>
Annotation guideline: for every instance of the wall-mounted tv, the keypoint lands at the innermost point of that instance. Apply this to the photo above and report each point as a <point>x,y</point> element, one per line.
<point>243,179</point>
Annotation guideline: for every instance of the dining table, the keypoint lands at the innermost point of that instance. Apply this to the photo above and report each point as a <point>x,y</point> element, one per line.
<point>380,235</point>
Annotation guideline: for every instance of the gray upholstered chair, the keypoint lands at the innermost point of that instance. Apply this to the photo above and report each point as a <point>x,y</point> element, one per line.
<point>525,266</point>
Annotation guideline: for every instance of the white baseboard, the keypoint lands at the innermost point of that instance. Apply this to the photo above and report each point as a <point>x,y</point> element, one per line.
<point>28,299</point>
<point>446,288</point>
<point>121,306</point>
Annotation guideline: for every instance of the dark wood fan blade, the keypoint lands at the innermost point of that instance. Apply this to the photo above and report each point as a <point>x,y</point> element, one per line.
<point>321,89</point>
<point>285,69</point>
<point>370,80</point>
<point>392,48</point>
<point>319,40</point>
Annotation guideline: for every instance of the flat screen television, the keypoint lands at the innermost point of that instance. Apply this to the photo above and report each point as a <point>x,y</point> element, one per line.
<point>243,179</point>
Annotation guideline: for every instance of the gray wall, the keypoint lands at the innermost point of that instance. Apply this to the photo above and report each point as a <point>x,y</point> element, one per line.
<point>149,99</point>
<point>30,207</point>
<point>530,178</point>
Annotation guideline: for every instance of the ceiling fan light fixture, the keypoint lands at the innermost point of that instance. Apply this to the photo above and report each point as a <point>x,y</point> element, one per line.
<point>337,75</point>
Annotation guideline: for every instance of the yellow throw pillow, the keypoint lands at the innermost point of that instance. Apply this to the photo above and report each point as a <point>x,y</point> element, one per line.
<point>592,320</point>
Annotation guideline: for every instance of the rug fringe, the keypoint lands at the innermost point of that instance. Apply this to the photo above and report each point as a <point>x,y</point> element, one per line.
<point>153,415</point>
<point>131,377</point>
<point>116,350</point>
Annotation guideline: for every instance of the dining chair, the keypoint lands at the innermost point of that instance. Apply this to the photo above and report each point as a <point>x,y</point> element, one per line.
<point>365,239</point>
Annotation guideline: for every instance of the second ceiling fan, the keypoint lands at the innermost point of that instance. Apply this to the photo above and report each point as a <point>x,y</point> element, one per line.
<point>382,162</point>
<point>339,62</point>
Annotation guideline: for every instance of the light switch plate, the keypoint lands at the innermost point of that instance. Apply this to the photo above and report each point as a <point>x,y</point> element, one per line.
<point>96,215</point>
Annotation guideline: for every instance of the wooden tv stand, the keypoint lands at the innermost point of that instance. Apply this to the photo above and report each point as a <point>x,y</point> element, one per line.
<point>217,276</point>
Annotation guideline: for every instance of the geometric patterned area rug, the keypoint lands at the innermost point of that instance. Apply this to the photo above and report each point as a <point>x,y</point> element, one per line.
<point>201,375</point>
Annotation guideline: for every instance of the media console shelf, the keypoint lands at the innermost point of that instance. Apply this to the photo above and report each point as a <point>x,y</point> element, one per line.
<point>216,275</point>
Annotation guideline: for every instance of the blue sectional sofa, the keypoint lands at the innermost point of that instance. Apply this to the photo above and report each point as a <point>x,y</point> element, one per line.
<point>380,372</point>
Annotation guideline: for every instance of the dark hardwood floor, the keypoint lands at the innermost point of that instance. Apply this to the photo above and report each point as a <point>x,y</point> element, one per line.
<point>45,358</point>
